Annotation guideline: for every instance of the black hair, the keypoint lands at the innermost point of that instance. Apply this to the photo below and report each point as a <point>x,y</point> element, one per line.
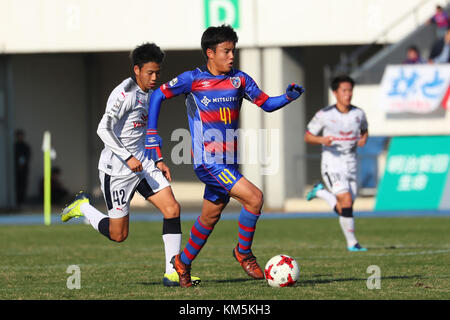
<point>20,132</point>
<point>146,52</point>
<point>215,35</point>
<point>414,48</point>
<point>339,79</point>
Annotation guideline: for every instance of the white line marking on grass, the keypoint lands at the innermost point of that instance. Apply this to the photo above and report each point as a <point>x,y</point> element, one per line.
<point>363,254</point>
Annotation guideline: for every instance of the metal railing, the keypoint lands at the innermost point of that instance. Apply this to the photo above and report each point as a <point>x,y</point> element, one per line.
<point>350,62</point>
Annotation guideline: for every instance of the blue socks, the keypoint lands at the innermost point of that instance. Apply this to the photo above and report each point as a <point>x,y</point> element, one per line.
<point>247,224</point>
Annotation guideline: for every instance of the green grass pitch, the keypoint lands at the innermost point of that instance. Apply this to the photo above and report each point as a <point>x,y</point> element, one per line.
<point>413,255</point>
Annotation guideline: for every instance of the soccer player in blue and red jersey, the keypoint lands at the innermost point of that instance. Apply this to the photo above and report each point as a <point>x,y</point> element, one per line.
<point>214,94</point>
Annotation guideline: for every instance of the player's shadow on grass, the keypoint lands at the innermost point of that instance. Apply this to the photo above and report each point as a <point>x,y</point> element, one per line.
<point>232,280</point>
<point>301,282</point>
<point>324,281</point>
<point>158,283</point>
<point>210,281</point>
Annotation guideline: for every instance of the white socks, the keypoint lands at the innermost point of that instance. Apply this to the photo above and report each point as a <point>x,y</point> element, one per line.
<point>92,214</point>
<point>348,228</point>
<point>327,196</point>
<point>347,223</point>
<point>172,246</point>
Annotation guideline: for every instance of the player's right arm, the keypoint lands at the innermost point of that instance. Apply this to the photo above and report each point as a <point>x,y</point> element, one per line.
<point>364,134</point>
<point>313,129</point>
<point>181,84</point>
<point>313,139</point>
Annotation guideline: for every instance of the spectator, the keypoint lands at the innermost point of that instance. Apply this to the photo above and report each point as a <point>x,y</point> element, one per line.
<point>22,157</point>
<point>440,51</point>
<point>413,56</point>
<point>441,19</point>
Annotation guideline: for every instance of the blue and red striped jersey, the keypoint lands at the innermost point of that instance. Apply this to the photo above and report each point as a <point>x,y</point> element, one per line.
<point>213,105</point>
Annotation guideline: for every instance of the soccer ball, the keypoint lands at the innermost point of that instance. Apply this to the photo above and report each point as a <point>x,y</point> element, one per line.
<point>281,271</point>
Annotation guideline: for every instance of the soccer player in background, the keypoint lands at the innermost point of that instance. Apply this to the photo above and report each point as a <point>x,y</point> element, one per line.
<point>344,128</point>
<point>214,94</point>
<point>123,165</point>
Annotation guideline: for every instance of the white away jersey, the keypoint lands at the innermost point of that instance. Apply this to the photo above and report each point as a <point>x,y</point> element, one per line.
<point>123,127</point>
<point>345,128</point>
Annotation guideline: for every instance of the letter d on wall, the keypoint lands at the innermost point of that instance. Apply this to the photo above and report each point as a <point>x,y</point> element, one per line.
<point>218,12</point>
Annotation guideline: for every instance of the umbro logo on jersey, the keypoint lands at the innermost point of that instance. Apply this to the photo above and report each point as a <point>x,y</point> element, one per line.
<point>236,82</point>
<point>173,82</point>
<point>205,84</point>
<point>205,101</point>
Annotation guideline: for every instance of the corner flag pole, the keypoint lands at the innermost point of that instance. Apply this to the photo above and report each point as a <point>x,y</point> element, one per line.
<point>46,147</point>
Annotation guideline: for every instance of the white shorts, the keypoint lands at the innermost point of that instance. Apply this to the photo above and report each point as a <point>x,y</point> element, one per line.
<point>339,174</point>
<point>119,190</point>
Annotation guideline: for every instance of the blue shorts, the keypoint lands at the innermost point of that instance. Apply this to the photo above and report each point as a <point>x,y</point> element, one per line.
<point>219,180</point>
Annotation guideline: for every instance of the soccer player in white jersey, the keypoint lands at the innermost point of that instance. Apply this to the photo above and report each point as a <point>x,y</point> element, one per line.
<point>124,167</point>
<point>340,129</point>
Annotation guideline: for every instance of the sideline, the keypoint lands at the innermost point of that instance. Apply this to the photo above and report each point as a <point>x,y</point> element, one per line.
<point>37,218</point>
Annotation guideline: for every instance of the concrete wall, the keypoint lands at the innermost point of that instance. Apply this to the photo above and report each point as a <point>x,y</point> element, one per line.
<point>7,180</point>
<point>113,25</point>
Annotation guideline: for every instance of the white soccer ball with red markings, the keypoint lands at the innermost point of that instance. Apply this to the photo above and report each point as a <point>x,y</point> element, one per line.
<point>281,271</point>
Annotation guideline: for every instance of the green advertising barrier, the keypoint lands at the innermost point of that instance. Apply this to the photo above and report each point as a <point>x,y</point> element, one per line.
<point>416,174</point>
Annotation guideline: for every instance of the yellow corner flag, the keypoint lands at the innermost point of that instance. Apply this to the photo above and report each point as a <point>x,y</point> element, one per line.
<point>46,147</point>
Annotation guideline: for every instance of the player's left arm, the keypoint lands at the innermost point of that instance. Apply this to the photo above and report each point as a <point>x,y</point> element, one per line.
<point>270,104</point>
<point>364,127</point>
<point>363,138</point>
<point>293,92</point>
<point>164,169</point>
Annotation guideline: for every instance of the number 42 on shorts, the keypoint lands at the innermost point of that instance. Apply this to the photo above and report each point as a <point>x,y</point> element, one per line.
<point>119,197</point>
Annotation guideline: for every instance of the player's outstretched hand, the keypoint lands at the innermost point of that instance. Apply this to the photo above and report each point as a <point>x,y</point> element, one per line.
<point>153,144</point>
<point>294,91</point>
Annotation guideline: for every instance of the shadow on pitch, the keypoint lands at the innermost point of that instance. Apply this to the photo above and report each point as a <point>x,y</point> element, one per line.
<point>232,280</point>
<point>300,283</point>
<point>209,281</point>
<point>324,281</point>
<point>150,283</point>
